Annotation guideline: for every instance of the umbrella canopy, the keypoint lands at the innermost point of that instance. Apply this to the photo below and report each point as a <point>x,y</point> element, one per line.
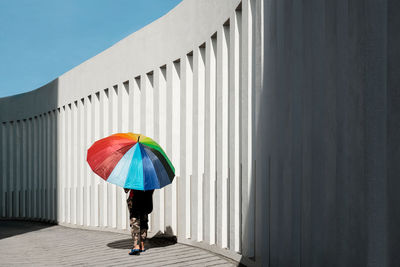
<point>131,161</point>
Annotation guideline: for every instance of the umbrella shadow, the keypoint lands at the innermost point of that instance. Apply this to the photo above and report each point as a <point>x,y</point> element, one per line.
<point>158,240</point>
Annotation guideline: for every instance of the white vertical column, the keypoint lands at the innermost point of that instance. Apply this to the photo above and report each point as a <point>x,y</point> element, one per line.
<point>196,223</point>
<point>156,137</point>
<point>75,173</point>
<point>210,160</point>
<point>74,163</point>
<point>143,103</point>
<point>54,169</point>
<point>156,110</point>
<point>95,180</point>
<point>105,198</point>
<point>53,162</point>
<point>131,112</point>
<point>136,104</point>
<point>119,191</point>
<point>114,129</point>
<point>234,130</point>
<point>189,140</point>
<point>57,193</point>
<point>198,137</point>
<point>222,133</point>
<point>246,140</point>
<point>69,163</point>
<point>168,151</point>
<point>257,84</point>
<point>136,100</point>
<point>121,92</point>
<point>125,127</point>
<point>133,116</point>
<point>182,180</point>
<point>50,158</point>
<point>81,161</point>
<point>65,163</point>
<point>162,117</point>
<point>62,165</point>
<point>57,185</point>
<point>88,129</point>
<point>149,112</point>
<point>176,96</point>
<point>149,92</point>
<point>77,162</point>
<point>48,163</point>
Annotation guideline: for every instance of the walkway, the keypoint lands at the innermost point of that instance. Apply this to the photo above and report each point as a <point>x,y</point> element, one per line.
<point>39,244</point>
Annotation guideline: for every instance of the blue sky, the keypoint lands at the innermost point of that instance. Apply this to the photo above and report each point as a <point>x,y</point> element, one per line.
<point>42,39</point>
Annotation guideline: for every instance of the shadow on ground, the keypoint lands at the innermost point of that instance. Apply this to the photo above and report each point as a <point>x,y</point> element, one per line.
<point>9,228</point>
<point>158,240</point>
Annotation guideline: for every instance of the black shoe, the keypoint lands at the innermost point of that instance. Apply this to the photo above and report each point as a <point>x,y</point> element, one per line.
<point>135,252</point>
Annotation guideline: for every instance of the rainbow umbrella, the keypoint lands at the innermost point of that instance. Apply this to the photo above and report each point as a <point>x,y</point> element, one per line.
<point>131,161</point>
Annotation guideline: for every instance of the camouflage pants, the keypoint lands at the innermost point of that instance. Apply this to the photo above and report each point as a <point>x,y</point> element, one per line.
<point>139,228</point>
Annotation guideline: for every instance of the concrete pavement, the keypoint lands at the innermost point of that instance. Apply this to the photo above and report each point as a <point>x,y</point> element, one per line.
<point>40,244</point>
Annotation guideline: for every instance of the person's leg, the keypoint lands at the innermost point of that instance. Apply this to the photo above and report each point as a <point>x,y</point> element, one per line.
<point>144,226</point>
<point>135,231</point>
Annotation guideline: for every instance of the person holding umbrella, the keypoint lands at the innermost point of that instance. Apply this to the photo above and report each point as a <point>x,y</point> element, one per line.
<point>139,165</point>
<point>140,205</point>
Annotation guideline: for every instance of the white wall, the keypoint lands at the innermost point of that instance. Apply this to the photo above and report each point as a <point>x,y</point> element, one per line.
<point>187,80</point>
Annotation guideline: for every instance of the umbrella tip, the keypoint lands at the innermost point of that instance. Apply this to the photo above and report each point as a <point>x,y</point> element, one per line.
<point>138,138</point>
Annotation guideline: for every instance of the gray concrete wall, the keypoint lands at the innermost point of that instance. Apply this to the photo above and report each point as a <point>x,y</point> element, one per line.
<point>327,127</point>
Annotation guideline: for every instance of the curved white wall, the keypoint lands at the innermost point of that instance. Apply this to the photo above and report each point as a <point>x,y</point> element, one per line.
<point>284,131</point>
<point>187,80</point>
